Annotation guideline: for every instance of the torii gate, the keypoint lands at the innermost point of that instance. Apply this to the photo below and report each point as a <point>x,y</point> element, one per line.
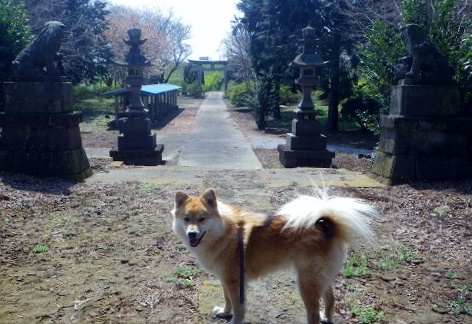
<point>200,69</point>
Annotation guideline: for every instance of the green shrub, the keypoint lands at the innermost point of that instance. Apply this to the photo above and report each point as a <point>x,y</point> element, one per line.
<point>237,93</point>
<point>287,96</point>
<point>260,100</point>
<point>90,91</point>
<point>212,80</point>
<point>192,89</point>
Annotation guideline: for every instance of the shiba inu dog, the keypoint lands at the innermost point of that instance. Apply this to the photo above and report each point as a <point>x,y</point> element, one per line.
<point>308,234</point>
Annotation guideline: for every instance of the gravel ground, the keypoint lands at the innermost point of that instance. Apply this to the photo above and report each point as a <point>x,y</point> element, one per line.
<point>105,253</point>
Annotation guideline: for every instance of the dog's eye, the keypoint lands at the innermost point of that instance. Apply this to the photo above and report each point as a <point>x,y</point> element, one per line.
<point>186,219</point>
<point>201,219</point>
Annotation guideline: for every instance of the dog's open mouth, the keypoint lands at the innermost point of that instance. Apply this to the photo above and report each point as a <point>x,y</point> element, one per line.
<point>194,242</point>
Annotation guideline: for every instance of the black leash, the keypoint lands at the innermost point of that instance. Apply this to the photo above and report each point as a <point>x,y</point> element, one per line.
<point>241,266</point>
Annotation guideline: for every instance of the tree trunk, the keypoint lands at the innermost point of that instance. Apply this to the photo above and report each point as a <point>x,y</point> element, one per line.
<point>276,101</point>
<point>333,113</point>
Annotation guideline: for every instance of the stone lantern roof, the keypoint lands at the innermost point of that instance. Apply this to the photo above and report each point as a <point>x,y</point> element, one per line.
<point>309,56</point>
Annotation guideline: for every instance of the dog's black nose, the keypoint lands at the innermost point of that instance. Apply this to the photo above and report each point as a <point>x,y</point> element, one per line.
<point>192,235</point>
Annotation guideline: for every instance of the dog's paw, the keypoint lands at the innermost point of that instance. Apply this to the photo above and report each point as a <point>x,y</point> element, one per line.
<point>221,313</point>
<point>324,319</point>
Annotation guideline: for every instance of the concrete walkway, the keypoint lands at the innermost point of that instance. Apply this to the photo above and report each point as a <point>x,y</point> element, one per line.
<point>216,142</point>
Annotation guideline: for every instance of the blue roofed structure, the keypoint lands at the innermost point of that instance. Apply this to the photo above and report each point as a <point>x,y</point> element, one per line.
<point>159,99</point>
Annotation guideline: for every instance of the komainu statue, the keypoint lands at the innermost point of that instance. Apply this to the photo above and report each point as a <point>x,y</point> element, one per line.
<point>425,63</point>
<point>40,58</point>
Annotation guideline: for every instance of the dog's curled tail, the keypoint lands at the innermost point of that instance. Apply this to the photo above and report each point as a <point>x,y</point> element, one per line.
<point>352,218</point>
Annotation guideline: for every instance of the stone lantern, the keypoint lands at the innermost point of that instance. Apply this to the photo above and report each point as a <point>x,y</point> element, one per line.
<point>305,146</point>
<point>136,144</point>
<point>135,61</point>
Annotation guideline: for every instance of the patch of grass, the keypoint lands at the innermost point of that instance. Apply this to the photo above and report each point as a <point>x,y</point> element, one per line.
<point>321,108</point>
<point>40,248</point>
<point>148,189</point>
<point>442,210</point>
<point>183,276</point>
<point>386,263</point>
<point>463,287</point>
<point>284,124</point>
<point>404,253</point>
<point>356,266</point>
<point>452,274</point>
<point>459,306</point>
<point>95,110</point>
<point>365,315</point>
<point>350,287</point>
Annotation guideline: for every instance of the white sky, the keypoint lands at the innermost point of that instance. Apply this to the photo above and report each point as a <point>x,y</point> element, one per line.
<point>210,21</point>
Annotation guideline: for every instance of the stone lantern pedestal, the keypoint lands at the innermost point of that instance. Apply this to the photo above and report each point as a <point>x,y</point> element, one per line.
<point>305,145</point>
<point>136,144</point>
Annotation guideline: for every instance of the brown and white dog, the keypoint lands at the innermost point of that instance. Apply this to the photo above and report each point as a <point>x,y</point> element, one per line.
<point>308,234</point>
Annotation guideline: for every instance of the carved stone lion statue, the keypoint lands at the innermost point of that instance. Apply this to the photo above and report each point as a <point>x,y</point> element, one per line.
<point>428,64</point>
<point>37,59</point>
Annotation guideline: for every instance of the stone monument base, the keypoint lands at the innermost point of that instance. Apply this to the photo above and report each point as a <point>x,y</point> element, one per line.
<point>40,132</point>
<point>305,146</point>
<point>304,158</point>
<point>136,144</point>
<point>395,169</point>
<point>425,137</point>
<point>139,157</point>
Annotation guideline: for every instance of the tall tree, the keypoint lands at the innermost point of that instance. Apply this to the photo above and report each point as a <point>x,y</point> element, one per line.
<point>338,37</point>
<point>275,27</point>
<point>14,36</point>
<point>237,46</point>
<point>165,47</point>
<point>84,46</point>
<point>272,28</point>
<point>447,23</point>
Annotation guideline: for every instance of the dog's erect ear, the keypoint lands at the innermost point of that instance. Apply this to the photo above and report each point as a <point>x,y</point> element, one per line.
<point>210,197</point>
<point>180,198</point>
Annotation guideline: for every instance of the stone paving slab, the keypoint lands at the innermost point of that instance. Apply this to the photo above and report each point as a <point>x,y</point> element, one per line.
<point>270,178</point>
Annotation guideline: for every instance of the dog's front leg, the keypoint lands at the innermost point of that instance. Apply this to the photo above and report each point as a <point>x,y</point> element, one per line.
<point>226,311</point>
<point>232,289</point>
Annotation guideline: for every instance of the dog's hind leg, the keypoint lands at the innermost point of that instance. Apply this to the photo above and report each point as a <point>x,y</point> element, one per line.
<point>328,300</point>
<point>310,291</point>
